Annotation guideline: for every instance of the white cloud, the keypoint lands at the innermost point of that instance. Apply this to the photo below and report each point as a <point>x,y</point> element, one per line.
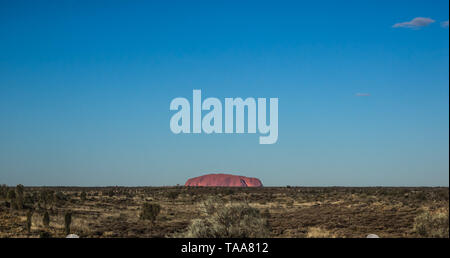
<point>362,94</point>
<point>415,23</point>
<point>444,24</point>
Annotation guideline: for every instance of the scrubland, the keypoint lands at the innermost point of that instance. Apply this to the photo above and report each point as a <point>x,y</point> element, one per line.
<point>292,212</point>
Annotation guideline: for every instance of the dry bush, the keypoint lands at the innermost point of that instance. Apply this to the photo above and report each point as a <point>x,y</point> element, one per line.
<point>432,224</point>
<point>211,205</point>
<point>80,227</point>
<point>318,232</point>
<point>234,220</point>
<point>150,211</point>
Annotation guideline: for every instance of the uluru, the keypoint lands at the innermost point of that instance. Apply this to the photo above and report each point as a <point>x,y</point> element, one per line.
<point>225,180</point>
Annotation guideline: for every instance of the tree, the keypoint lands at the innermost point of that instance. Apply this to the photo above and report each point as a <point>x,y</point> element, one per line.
<point>11,195</point>
<point>46,197</point>
<point>19,189</point>
<point>12,199</point>
<point>150,211</point>
<point>67,221</point>
<point>28,225</point>
<point>60,198</point>
<point>3,191</point>
<point>19,197</point>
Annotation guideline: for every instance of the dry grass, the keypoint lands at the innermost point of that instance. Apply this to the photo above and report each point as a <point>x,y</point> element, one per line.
<point>289,212</point>
<point>432,224</point>
<point>234,220</point>
<point>318,232</point>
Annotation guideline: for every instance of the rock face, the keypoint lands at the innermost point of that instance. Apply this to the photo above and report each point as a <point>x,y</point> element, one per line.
<point>224,180</point>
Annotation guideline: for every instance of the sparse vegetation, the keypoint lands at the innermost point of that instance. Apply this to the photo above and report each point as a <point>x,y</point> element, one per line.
<point>234,220</point>
<point>215,211</point>
<point>432,224</point>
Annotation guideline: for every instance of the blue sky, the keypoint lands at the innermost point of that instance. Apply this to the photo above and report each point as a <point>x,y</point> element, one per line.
<point>85,89</point>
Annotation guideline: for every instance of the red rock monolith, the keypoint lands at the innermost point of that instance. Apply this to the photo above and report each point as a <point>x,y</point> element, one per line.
<point>224,180</point>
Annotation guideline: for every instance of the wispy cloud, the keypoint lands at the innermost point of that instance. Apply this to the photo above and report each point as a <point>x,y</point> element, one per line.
<point>359,94</point>
<point>415,23</point>
<point>444,24</point>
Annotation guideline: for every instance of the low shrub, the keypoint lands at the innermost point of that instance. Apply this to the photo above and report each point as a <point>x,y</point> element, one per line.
<point>231,221</point>
<point>432,224</point>
<point>150,211</point>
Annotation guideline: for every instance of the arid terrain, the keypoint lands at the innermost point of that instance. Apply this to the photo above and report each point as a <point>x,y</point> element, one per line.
<point>169,211</point>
